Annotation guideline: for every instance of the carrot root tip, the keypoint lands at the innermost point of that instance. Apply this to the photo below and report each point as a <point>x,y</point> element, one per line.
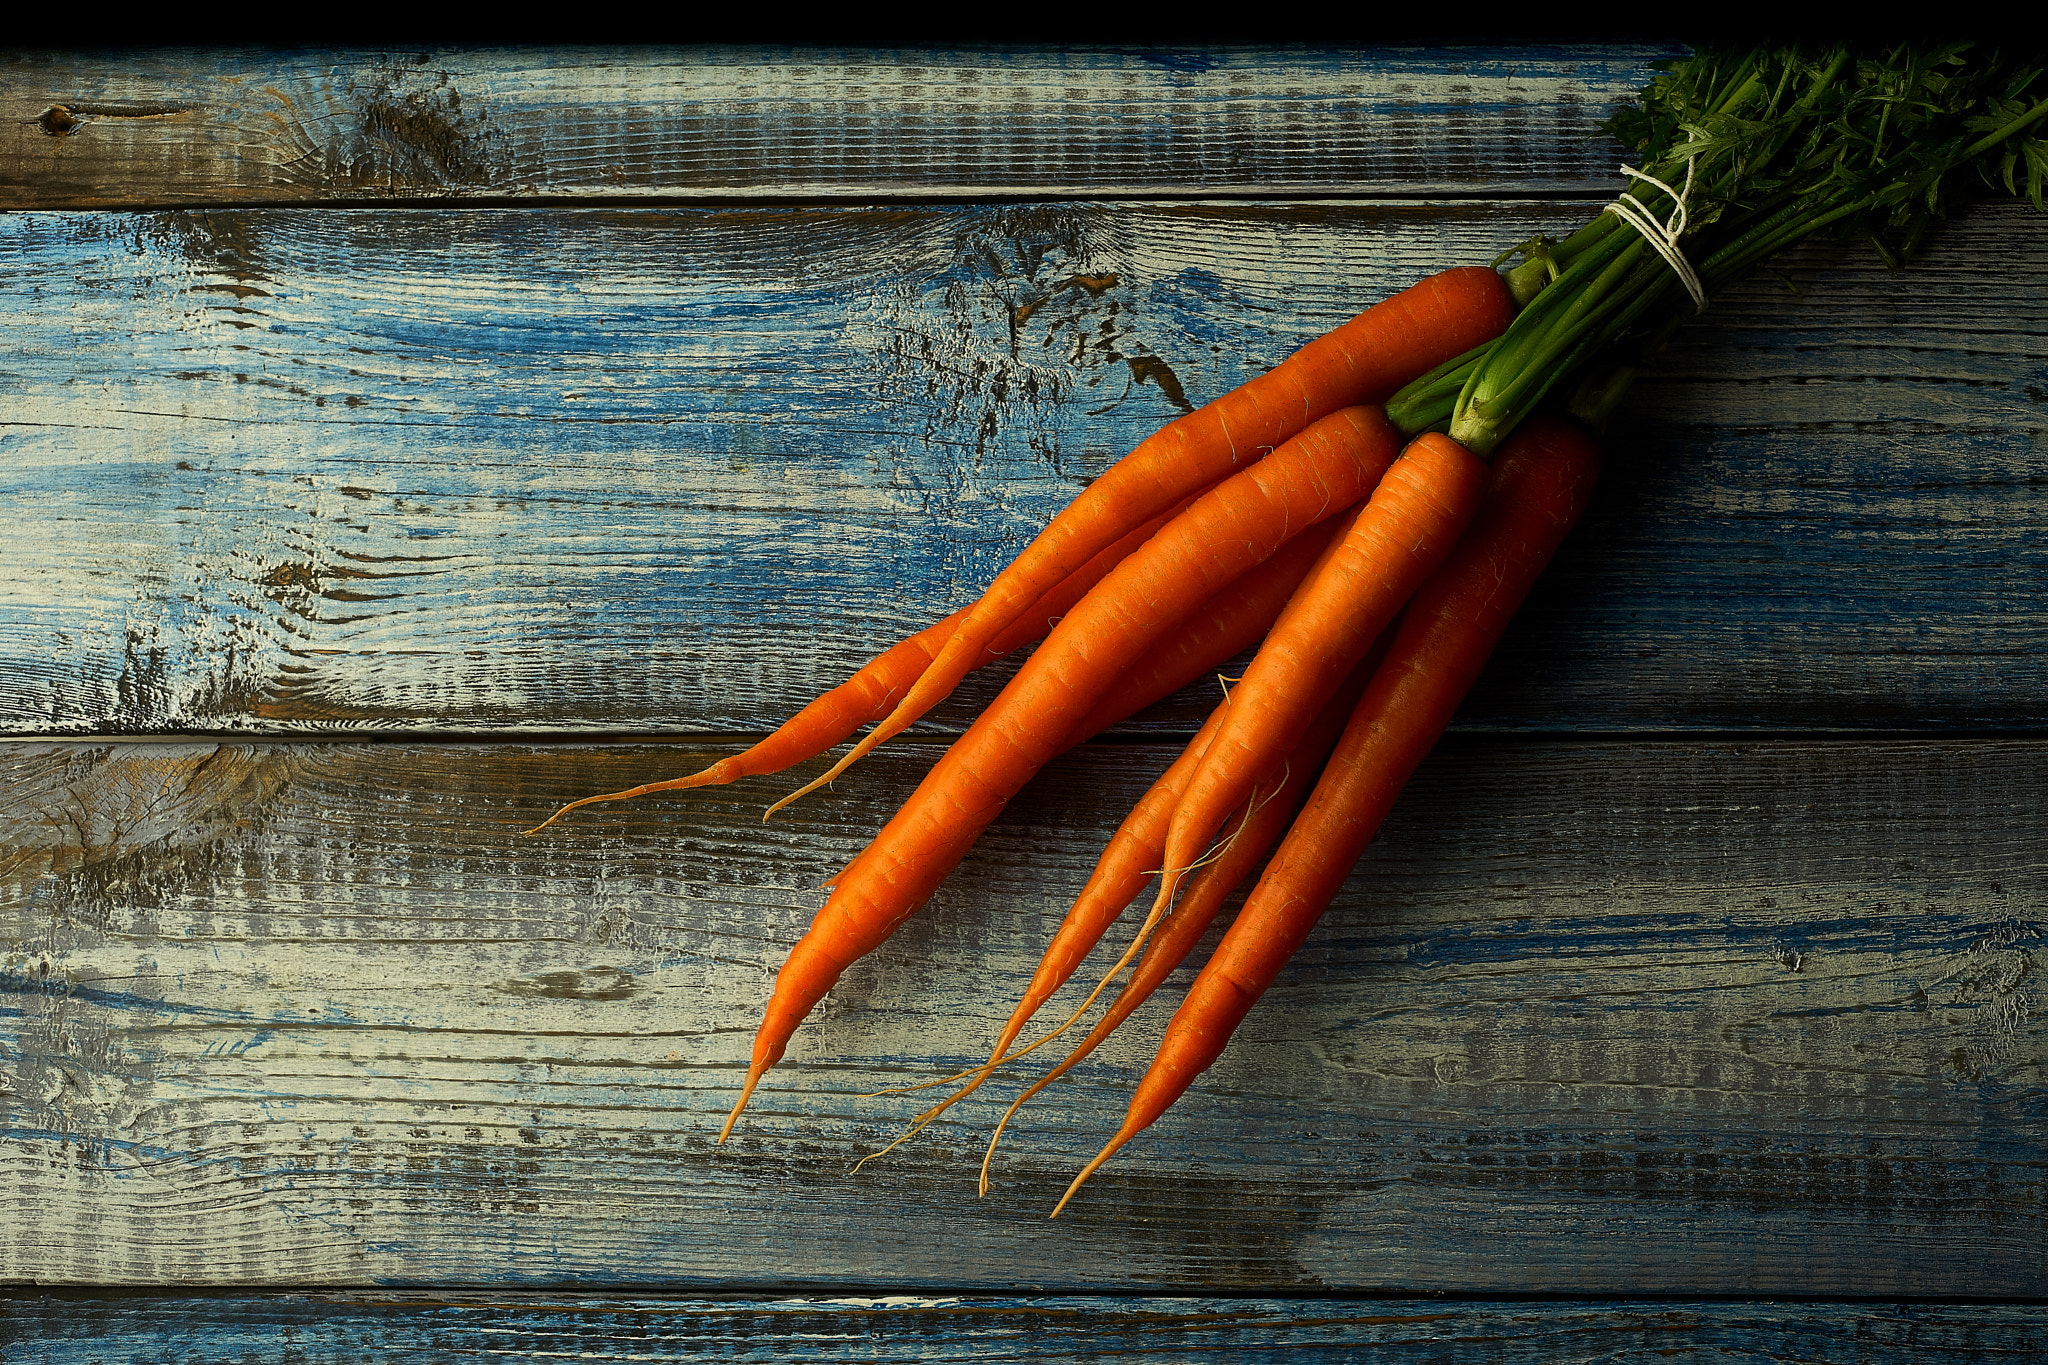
<point>1123,1136</point>
<point>746,1093</point>
<point>708,777</point>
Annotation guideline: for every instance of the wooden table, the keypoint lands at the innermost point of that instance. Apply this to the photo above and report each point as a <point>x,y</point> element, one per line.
<point>398,444</point>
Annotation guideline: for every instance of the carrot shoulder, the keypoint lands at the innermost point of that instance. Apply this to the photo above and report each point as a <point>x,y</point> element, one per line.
<point>1539,486</point>
<point>1235,526</point>
<point>1363,361</point>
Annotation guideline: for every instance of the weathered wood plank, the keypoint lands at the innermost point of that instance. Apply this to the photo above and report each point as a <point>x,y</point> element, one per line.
<point>48,1330</point>
<point>1592,1018</point>
<point>221,127</point>
<point>681,470</point>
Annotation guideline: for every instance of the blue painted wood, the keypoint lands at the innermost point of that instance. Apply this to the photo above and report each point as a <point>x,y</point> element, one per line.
<point>1760,1014</point>
<point>315,1328</point>
<point>681,471</point>
<point>1610,1018</point>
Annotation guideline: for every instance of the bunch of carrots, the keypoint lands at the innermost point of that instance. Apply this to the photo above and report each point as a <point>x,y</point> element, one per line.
<point>1369,514</point>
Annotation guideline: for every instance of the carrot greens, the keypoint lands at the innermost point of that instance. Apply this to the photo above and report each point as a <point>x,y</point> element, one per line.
<point>1744,155</point>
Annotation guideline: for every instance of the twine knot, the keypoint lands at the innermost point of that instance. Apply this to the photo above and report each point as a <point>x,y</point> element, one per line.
<point>1663,237</point>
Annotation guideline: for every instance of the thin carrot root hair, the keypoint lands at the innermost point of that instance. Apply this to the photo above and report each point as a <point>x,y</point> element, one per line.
<point>1144,934</point>
<point>1087,1046</point>
<point>1216,850</point>
<point>981,1073</point>
<point>983,1069</point>
<point>976,1075</point>
<point>674,784</point>
<point>929,1116</point>
<point>1043,1081</point>
<point>1138,942</point>
<point>825,779</point>
<point>961,1074</point>
<point>906,1136</point>
<point>997,1136</point>
<point>800,792</point>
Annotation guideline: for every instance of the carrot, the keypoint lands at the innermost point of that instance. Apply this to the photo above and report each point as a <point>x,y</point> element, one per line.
<point>1234,526</point>
<point>1239,615</point>
<point>1219,630</point>
<point>1538,488</point>
<point>1363,361</point>
<point>1258,824</point>
<point>1128,861</point>
<point>1414,517</point>
<point>1225,625</point>
<point>870,693</point>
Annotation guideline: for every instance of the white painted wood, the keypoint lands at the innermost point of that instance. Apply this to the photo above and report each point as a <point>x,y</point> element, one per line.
<point>241,125</point>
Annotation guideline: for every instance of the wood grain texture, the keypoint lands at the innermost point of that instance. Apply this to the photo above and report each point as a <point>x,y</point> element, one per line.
<point>1608,1010</point>
<point>1592,1018</point>
<point>222,127</point>
<point>319,1328</point>
<point>680,471</point>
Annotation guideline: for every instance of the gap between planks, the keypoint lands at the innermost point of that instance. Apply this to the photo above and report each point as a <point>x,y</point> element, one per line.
<point>1663,737</point>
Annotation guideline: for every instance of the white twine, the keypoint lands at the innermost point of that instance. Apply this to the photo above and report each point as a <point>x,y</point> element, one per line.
<point>1663,237</point>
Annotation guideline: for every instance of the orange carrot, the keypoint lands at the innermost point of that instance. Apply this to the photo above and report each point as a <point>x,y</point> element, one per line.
<point>1220,629</point>
<point>1128,861</point>
<point>1234,526</point>
<point>870,693</point>
<point>1414,517</point>
<point>1539,486</point>
<point>1241,612</point>
<point>1363,361</point>
<point>1257,826</point>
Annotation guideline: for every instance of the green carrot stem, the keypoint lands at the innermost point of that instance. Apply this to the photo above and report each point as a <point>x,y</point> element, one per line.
<point>1774,146</point>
